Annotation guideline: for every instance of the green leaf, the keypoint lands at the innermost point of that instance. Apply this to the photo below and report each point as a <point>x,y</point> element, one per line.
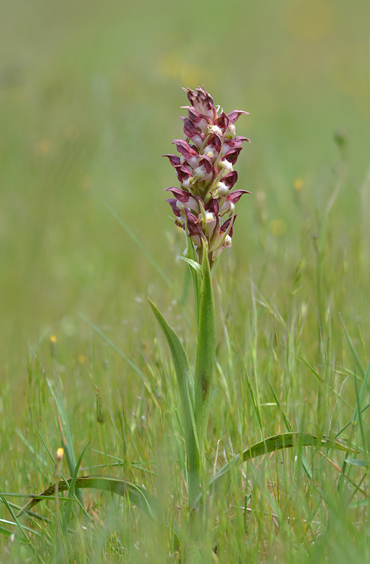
<point>205,351</point>
<point>194,264</point>
<point>182,368</point>
<point>138,495</point>
<point>279,442</point>
<point>184,380</point>
<point>357,462</point>
<point>289,440</point>
<point>7,533</point>
<point>72,485</point>
<point>359,503</point>
<point>6,522</point>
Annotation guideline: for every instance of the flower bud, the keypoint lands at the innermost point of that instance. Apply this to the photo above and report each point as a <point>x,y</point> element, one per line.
<point>231,131</point>
<point>58,463</point>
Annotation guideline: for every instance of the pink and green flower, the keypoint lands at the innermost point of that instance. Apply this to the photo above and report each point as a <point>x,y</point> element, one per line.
<point>204,205</point>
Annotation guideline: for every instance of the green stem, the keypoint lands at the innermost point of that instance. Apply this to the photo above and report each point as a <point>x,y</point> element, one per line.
<point>205,354</point>
<point>194,474</point>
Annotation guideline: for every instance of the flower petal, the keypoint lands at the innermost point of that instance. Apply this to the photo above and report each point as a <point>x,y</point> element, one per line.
<point>225,226</point>
<point>184,148</point>
<point>193,224</point>
<point>230,179</point>
<point>235,196</point>
<point>179,194</point>
<point>173,204</point>
<point>222,121</point>
<point>232,155</point>
<point>234,115</point>
<point>174,159</point>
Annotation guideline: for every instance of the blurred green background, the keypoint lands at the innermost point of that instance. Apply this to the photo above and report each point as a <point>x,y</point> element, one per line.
<point>89,101</point>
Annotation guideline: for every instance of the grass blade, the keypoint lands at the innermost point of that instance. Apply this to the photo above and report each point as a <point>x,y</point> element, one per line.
<point>279,442</point>
<point>138,243</point>
<point>15,517</point>
<point>358,409</point>
<point>72,486</point>
<point>7,533</point>
<point>64,426</point>
<point>280,407</point>
<point>116,349</point>
<point>289,440</point>
<point>137,494</point>
<point>353,350</point>
<point>123,356</point>
<point>75,473</point>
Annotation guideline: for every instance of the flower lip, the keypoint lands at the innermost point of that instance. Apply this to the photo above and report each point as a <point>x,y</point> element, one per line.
<point>226,165</point>
<point>220,191</point>
<point>210,217</point>
<point>214,129</point>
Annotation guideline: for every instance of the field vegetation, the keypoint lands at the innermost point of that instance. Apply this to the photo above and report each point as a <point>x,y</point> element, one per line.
<point>89,101</point>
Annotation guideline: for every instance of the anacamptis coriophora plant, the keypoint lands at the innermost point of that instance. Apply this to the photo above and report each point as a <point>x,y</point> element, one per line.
<point>204,207</point>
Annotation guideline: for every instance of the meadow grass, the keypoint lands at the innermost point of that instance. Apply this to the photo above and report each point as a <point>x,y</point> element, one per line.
<point>89,101</point>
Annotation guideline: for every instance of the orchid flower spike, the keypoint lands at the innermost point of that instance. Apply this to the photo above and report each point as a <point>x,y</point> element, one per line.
<point>204,205</point>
